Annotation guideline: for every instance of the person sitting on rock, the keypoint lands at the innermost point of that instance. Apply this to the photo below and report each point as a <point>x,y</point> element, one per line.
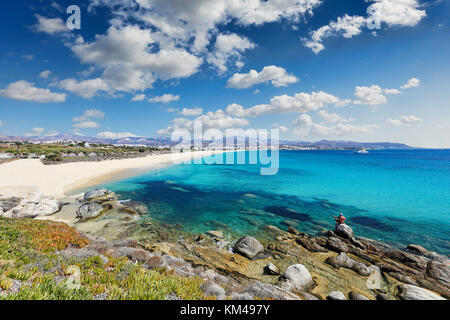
<point>340,219</point>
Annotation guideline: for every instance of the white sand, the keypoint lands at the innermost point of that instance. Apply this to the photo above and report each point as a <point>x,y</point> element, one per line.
<point>30,175</point>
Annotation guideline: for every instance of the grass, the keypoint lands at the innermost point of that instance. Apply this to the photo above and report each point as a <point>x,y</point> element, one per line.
<point>27,257</point>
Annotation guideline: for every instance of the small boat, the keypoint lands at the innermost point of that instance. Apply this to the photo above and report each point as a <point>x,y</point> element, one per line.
<point>362,151</point>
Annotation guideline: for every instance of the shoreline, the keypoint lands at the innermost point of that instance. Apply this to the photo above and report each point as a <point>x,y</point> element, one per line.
<point>21,177</point>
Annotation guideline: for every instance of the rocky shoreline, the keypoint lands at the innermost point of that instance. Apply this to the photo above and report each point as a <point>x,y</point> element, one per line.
<point>284,264</point>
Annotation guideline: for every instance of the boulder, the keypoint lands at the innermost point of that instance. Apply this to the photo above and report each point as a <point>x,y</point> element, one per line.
<point>344,231</point>
<point>439,269</point>
<point>267,291</point>
<point>410,292</point>
<point>297,277</point>
<point>336,295</point>
<point>344,261</point>
<point>336,244</point>
<point>89,210</point>
<point>417,248</point>
<point>248,247</point>
<point>47,206</point>
<point>357,296</point>
<point>100,194</point>
<point>271,269</point>
<point>33,205</point>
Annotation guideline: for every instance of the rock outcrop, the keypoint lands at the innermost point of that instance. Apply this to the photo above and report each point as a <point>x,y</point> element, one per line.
<point>410,292</point>
<point>89,210</point>
<point>32,206</point>
<point>344,231</point>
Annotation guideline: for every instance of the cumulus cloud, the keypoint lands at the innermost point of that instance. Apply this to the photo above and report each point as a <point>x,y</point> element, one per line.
<point>213,119</point>
<point>371,96</point>
<point>403,13</point>
<point>412,83</point>
<point>300,102</point>
<point>115,135</point>
<point>26,91</point>
<point>45,74</point>
<point>404,121</point>
<point>188,112</point>
<point>229,47</point>
<point>165,98</point>
<point>304,125</point>
<point>85,88</point>
<point>85,121</point>
<point>277,76</point>
<point>332,117</point>
<point>138,97</point>
<point>50,25</point>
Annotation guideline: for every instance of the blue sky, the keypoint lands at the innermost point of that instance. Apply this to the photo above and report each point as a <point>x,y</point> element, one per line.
<point>320,71</point>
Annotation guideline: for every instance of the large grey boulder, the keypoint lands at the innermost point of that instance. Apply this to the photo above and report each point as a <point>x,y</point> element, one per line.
<point>248,247</point>
<point>100,194</point>
<point>344,231</point>
<point>89,210</point>
<point>336,295</point>
<point>33,205</point>
<point>439,269</point>
<point>297,278</point>
<point>336,244</point>
<point>410,292</point>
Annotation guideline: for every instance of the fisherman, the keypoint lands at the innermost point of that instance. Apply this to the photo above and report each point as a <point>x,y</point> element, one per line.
<point>340,219</point>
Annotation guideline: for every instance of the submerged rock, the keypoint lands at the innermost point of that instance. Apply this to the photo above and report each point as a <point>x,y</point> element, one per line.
<point>248,247</point>
<point>410,292</point>
<point>89,210</point>
<point>343,231</point>
<point>297,278</point>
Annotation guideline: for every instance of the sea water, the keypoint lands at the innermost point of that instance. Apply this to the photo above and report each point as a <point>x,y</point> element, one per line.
<point>396,196</point>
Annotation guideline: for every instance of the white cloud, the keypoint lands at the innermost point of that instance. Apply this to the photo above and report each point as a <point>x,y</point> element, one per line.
<point>85,88</point>
<point>45,74</point>
<point>228,47</point>
<point>188,112</point>
<point>404,121</point>
<point>88,124</point>
<point>88,114</point>
<point>391,91</point>
<point>213,119</point>
<point>304,125</point>
<point>332,117</point>
<point>26,91</point>
<point>273,74</point>
<point>50,25</point>
<point>412,83</point>
<point>35,132</point>
<point>139,97</point>
<point>371,96</point>
<point>115,135</point>
<point>300,102</point>
<point>165,98</point>
<point>404,13</point>
<point>348,26</point>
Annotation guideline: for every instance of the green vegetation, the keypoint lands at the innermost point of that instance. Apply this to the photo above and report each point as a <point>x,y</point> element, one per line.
<point>55,152</point>
<point>27,257</point>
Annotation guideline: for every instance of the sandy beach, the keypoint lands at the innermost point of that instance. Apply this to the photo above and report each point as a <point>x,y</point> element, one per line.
<point>20,177</point>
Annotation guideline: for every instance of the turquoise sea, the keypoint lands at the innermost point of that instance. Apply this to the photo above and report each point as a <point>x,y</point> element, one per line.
<point>396,196</point>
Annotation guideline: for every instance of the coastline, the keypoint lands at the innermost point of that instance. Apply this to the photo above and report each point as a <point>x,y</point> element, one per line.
<point>31,175</point>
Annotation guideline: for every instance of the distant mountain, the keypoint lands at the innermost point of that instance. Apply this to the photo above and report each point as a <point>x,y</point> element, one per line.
<point>159,141</point>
